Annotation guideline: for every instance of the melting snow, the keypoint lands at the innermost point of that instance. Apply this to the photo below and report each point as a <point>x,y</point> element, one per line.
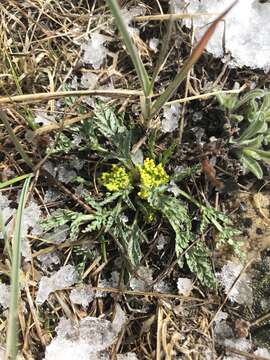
<point>30,219</point>
<point>87,340</point>
<point>238,344</point>
<point>145,278</point>
<point>82,295</point>
<point>89,80</point>
<point>127,356</point>
<point>241,292</point>
<point>65,277</point>
<point>48,260</point>
<point>162,287</point>
<point>4,295</point>
<point>184,286</point>
<point>170,118</point>
<point>246,34</point>
<point>44,119</point>
<point>65,175</point>
<point>94,50</point>
<point>262,352</point>
<point>153,44</point>
<point>128,15</point>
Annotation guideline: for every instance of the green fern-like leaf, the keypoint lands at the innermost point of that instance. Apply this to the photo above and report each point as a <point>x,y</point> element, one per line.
<point>197,258</point>
<point>176,214</point>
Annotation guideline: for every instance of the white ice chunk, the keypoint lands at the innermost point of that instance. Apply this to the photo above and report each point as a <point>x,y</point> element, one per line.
<point>238,344</point>
<point>94,51</point>
<point>48,260</point>
<point>177,5</point>
<point>241,292</point>
<point>6,212</point>
<point>221,316</point>
<point>153,44</point>
<point>119,319</point>
<point>52,195</point>
<point>145,278</point>
<point>87,340</point>
<point>43,118</point>
<point>127,356</point>
<point>128,15</point>
<point>170,118</point>
<point>65,175</point>
<point>82,295</point>
<point>30,221</point>
<point>246,32</point>
<point>4,295</point>
<point>74,82</point>
<point>63,278</point>
<point>89,80</point>
<point>263,352</point>
<point>184,286</point>
<point>161,242</point>
<point>162,287</point>
<point>174,188</point>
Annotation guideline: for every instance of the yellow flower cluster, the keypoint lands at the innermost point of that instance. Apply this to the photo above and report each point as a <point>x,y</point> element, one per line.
<point>115,180</point>
<point>152,176</point>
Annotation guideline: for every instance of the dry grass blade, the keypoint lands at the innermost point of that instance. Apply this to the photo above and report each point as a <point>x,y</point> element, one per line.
<point>61,94</point>
<point>165,17</point>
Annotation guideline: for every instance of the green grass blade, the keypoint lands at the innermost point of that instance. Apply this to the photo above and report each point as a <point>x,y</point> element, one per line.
<point>14,180</point>
<point>12,333</point>
<point>194,57</point>
<point>137,62</point>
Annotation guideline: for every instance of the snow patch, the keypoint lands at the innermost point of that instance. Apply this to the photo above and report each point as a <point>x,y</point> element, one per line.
<point>246,34</point>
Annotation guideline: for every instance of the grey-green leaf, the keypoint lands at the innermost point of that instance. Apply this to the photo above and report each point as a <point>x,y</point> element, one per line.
<point>252,165</point>
<point>253,129</point>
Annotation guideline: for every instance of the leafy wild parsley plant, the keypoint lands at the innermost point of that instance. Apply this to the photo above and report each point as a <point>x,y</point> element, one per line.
<point>138,194</point>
